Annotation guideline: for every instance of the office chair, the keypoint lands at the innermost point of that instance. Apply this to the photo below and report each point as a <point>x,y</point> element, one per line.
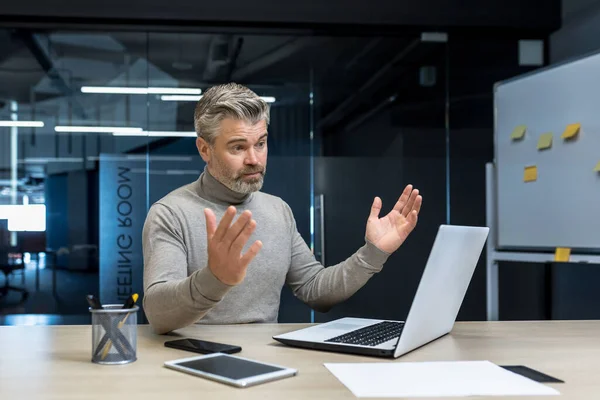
<point>9,269</point>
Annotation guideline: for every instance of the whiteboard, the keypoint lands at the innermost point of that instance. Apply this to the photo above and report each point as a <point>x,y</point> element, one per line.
<point>562,207</point>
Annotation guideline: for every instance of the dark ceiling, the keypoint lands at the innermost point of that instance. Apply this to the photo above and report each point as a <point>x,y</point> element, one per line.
<point>306,14</point>
<point>345,73</point>
<point>354,55</point>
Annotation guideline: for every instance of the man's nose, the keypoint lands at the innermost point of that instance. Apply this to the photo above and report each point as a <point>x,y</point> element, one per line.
<point>251,157</point>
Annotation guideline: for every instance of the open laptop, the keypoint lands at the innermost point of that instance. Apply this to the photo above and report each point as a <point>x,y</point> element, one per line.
<point>445,280</point>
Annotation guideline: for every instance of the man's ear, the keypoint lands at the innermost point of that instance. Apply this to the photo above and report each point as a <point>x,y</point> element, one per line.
<point>203,149</point>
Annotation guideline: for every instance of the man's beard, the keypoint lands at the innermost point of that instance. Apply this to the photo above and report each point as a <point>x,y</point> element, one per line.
<point>235,181</point>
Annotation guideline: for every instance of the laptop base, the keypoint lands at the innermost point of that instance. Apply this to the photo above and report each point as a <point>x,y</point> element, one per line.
<point>339,348</point>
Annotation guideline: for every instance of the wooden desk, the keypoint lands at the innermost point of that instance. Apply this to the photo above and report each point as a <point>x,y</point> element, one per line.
<point>53,362</point>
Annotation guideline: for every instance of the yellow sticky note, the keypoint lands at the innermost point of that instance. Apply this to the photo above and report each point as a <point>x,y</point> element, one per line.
<point>518,132</point>
<point>562,254</point>
<point>530,174</point>
<point>597,167</point>
<point>571,131</point>
<point>545,141</point>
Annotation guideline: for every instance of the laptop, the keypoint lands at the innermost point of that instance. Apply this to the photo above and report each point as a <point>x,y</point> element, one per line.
<point>441,291</point>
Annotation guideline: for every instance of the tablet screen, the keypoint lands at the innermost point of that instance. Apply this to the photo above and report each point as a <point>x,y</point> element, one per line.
<point>229,367</point>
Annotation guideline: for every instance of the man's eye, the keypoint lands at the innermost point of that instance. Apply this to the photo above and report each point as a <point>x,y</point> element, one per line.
<point>261,144</point>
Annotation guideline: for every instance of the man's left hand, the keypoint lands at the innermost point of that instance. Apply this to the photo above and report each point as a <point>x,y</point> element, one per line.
<point>388,233</point>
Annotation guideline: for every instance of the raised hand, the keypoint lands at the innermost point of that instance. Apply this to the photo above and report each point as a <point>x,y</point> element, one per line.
<point>226,242</point>
<point>388,233</point>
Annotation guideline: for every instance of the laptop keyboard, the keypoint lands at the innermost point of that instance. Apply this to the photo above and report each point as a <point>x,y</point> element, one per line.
<point>372,335</point>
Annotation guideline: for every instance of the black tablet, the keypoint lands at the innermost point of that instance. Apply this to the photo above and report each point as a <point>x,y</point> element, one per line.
<point>232,370</point>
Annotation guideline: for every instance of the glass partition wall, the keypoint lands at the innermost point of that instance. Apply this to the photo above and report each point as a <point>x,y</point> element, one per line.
<point>97,126</point>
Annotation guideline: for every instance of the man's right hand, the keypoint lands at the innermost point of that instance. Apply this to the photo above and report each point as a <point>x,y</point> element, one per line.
<point>226,242</point>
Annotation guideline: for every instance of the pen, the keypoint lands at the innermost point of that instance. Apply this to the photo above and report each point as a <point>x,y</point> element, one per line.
<point>93,302</point>
<point>129,303</point>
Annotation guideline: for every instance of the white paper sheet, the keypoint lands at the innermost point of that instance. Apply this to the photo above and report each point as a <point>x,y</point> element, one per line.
<point>435,379</point>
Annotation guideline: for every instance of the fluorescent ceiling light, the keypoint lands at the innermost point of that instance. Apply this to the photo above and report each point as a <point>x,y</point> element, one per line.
<point>166,90</point>
<point>267,99</point>
<point>156,133</point>
<point>139,90</point>
<point>134,157</point>
<point>179,98</point>
<point>172,134</point>
<point>23,124</point>
<point>113,90</point>
<point>183,172</point>
<point>97,129</point>
<point>45,160</point>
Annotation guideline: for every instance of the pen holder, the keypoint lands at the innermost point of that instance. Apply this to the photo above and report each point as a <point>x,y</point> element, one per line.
<point>114,334</point>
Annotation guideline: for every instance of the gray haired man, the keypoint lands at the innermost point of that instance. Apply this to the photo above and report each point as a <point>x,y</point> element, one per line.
<point>198,270</point>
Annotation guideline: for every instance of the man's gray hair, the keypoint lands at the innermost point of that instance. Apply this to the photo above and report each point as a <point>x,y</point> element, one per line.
<point>228,100</point>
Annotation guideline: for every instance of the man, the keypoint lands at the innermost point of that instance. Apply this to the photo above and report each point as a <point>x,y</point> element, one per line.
<point>198,270</point>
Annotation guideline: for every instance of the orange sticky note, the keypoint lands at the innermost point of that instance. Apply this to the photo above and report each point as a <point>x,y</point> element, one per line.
<point>562,254</point>
<point>518,132</point>
<point>545,141</point>
<point>571,131</point>
<point>530,174</point>
<point>597,167</point>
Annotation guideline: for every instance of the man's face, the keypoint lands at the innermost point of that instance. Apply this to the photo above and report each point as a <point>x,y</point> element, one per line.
<point>238,157</point>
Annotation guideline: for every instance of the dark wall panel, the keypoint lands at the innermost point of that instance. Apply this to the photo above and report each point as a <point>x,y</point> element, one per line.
<point>523,294</point>
<point>580,35</point>
<point>467,207</point>
<point>349,185</point>
<point>57,221</point>
<point>575,291</point>
<point>375,138</point>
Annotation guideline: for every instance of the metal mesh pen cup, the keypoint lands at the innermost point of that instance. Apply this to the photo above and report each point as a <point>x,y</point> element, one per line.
<point>114,334</point>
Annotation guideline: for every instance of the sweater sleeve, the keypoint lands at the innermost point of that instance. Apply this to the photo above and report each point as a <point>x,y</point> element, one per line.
<point>320,287</point>
<point>172,300</point>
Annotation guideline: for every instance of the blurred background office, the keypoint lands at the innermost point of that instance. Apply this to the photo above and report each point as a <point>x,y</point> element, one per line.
<point>96,123</point>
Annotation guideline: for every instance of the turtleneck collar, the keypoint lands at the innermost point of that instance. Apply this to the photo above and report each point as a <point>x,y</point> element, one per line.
<point>211,189</point>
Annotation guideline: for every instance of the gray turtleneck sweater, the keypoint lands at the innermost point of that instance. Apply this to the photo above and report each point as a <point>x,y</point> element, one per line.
<point>179,288</point>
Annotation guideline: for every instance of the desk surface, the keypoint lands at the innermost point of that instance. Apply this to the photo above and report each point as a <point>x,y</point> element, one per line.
<point>53,362</point>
